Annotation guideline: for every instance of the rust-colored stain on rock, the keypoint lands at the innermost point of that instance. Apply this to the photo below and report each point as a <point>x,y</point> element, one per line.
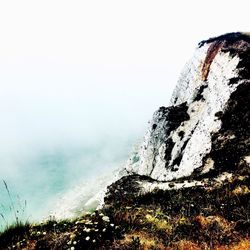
<point>211,53</point>
<point>233,46</point>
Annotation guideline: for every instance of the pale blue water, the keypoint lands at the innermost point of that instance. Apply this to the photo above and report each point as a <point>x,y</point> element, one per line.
<point>45,175</point>
<point>62,124</point>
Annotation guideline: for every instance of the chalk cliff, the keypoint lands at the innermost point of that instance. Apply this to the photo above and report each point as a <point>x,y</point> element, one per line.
<point>187,185</point>
<point>205,131</point>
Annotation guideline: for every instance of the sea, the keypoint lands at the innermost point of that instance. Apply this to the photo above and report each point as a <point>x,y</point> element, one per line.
<point>35,186</point>
<point>64,135</point>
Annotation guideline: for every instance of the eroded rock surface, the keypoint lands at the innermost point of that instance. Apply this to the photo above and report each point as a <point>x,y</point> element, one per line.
<point>204,133</point>
<point>187,187</point>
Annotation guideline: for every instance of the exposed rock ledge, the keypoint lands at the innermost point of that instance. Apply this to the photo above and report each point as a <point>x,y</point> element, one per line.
<point>194,162</point>
<point>205,132</point>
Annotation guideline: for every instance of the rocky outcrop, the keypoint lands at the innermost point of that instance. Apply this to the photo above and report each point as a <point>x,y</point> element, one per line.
<point>187,187</point>
<point>205,130</point>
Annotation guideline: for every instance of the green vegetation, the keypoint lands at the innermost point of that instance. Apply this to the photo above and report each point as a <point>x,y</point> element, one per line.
<point>213,217</point>
<point>17,209</point>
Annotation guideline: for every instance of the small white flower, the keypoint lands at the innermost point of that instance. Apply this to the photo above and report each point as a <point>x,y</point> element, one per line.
<point>87,230</point>
<point>74,242</point>
<point>104,229</point>
<point>105,218</point>
<point>96,230</point>
<point>112,225</point>
<point>72,248</point>
<point>87,238</point>
<point>44,233</point>
<point>94,241</point>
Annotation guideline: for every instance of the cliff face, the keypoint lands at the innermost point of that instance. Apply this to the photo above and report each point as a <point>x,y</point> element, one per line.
<point>187,187</point>
<point>205,130</point>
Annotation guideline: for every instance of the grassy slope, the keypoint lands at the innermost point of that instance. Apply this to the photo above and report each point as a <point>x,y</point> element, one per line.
<point>191,218</point>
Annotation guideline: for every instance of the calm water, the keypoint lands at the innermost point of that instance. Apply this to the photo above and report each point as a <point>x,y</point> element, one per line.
<point>42,177</point>
<point>63,125</point>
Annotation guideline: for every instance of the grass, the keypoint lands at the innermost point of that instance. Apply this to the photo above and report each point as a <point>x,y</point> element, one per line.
<point>214,217</point>
<point>19,227</point>
<point>14,233</point>
<point>188,218</point>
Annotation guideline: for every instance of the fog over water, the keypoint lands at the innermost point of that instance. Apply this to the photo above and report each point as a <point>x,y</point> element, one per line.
<point>80,80</point>
<point>56,136</point>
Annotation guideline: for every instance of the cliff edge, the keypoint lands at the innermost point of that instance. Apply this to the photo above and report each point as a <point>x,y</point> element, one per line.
<point>194,161</point>
<point>205,130</point>
<point>187,185</point>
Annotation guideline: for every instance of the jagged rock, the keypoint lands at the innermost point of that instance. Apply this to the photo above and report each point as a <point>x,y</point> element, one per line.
<point>187,186</point>
<point>205,132</point>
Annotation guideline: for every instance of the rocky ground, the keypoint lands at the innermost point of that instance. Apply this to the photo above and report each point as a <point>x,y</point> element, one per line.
<point>209,217</point>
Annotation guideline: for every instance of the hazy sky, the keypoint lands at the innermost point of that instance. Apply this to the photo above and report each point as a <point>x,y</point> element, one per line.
<point>97,66</point>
